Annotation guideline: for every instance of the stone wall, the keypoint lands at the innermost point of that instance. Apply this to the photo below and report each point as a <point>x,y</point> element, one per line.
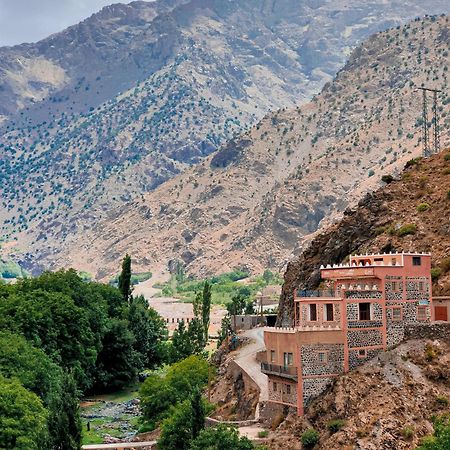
<point>281,393</point>
<point>355,360</point>
<point>313,387</point>
<point>364,338</point>
<point>310,359</point>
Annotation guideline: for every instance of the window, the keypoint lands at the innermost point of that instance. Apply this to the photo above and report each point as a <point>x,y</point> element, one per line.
<point>322,357</point>
<point>397,314</point>
<point>313,313</point>
<point>288,359</point>
<point>272,355</point>
<point>422,313</point>
<point>364,311</point>
<point>421,286</point>
<point>288,389</point>
<point>362,353</point>
<point>394,261</point>
<point>274,387</point>
<point>417,261</point>
<point>329,313</point>
<point>394,286</point>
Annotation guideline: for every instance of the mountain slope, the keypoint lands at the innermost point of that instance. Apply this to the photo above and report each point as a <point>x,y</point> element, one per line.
<point>420,197</point>
<point>256,199</point>
<point>114,106</point>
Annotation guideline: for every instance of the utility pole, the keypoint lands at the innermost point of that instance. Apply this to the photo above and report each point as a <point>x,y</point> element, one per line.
<point>425,134</point>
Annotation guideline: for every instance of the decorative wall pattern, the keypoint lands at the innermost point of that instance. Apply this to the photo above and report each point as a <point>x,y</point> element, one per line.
<point>364,338</point>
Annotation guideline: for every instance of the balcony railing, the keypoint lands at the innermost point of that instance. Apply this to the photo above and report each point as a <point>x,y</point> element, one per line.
<point>280,371</point>
<point>317,294</point>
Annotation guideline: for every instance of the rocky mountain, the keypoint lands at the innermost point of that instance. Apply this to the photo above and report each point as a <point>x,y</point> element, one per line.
<point>263,195</point>
<point>110,108</point>
<point>410,213</point>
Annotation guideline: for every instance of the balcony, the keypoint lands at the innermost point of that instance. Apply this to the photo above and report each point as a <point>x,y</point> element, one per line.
<point>317,294</point>
<point>280,371</point>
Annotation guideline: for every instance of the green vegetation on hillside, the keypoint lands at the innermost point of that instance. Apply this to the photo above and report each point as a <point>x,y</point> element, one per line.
<point>223,287</point>
<point>60,337</point>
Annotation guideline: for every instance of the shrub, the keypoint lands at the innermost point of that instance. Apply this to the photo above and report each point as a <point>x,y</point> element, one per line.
<point>430,353</point>
<point>335,425</point>
<point>413,162</point>
<point>408,432</point>
<point>371,173</point>
<point>446,171</point>
<point>263,434</point>
<point>442,400</point>
<point>447,157</point>
<point>387,179</point>
<point>310,438</point>
<point>422,207</point>
<point>406,229</point>
<point>448,193</point>
<point>436,273</point>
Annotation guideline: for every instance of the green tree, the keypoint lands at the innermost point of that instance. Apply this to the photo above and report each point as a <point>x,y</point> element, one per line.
<point>125,278</point>
<point>64,419</point>
<point>51,321</point>
<point>176,430</point>
<point>183,378</point>
<point>267,276</point>
<point>220,437</point>
<point>206,308</point>
<point>188,341</point>
<point>149,330</point>
<point>236,307</point>
<point>198,413</point>
<point>184,423</point>
<point>23,418</point>
<point>117,362</point>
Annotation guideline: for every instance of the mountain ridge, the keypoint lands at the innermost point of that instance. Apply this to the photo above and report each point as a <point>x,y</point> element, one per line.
<point>266,193</point>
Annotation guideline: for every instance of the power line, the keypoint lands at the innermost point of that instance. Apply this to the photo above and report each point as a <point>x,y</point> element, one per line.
<point>436,133</point>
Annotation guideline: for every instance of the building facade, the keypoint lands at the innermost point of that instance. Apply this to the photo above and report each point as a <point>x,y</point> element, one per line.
<point>369,302</point>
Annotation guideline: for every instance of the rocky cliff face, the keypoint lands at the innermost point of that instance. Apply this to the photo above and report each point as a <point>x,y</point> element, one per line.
<point>262,196</point>
<point>419,197</point>
<point>111,108</point>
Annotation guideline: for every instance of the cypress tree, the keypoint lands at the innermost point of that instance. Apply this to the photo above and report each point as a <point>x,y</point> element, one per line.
<point>125,278</point>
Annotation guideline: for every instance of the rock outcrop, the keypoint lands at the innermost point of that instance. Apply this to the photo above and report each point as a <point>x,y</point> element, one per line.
<point>375,224</point>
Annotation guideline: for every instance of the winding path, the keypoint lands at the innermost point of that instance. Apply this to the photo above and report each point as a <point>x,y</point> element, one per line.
<point>245,357</point>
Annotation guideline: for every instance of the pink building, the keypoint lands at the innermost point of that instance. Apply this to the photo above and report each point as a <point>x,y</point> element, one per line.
<point>365,310</point>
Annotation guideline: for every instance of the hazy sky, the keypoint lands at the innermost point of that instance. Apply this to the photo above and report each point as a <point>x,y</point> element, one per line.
<point>32,20</point>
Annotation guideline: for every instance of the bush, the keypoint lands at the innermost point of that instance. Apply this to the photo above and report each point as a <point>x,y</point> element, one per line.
<point>263,434</point>
<point>387,179</point>
<point>310,438</point>
<point>408,432</point>
<point>442,400</point>
<point>447,157</point>
<point>422,207</point>
<point>406,229</point>
<point>413,162</point>
<point>436,273</point>
<point>335,425</point>
<point>446,171</point>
